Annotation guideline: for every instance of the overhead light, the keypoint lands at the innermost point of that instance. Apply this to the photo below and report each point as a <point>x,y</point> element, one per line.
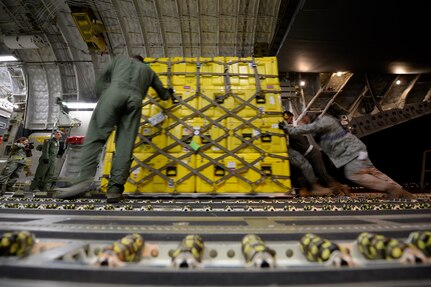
<point>80,105</point>
<point>8,58</point>
<point>302,83</point>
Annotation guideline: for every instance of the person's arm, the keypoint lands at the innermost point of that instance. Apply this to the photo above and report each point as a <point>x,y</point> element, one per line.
<point>161,91</point>
<point>15,147</point>
<point>313,127</point>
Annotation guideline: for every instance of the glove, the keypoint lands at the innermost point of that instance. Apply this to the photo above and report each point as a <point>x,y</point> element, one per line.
<point>172,93</point>
<point>45,160</point>
<point>282,126</point>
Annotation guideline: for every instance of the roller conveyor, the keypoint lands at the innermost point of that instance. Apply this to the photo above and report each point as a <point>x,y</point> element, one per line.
<point>70,235</point>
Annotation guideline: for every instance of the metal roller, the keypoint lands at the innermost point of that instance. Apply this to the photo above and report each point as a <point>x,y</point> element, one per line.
<point>377,246</point>
<point>318,249</point>
<point>127,249</point>
<point>372,246</point>
<point>256,253</point>
<point>189,253</point>
<point>18,243</point>
<point>422,241</point>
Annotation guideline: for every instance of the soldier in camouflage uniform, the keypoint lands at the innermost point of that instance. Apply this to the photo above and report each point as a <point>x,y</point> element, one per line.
<point>15,164</point>
<point>348,152</point>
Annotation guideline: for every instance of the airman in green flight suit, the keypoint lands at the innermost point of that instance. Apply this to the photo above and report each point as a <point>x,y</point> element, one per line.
<point>119,108</point>
<point>44,177</point>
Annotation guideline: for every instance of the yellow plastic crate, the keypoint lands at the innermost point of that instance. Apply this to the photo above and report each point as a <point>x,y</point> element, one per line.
<point>134,176</point>
<point>168,175</point>
<point>215,178</point>
<point>184,73</point>
<point>156,174</point>
<point>277,170</point>
<point>208,136</point>
<point>252,103</point>
<point>211,72</point>
<point>211,102</point>
<point>178,133</point>
<point>181,110</point>
<point>159,65</point>
<point>241,71</point>
<point>268,137</point>
<point>267,68</point>
<point>212,136</point>
<point>150,139</point>
<point>146,138</point>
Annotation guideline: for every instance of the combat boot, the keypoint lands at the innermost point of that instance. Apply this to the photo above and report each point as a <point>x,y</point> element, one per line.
<point>395,192</point>
<point>318,190</point>
<point>338,188</point>
<point>303,192</point>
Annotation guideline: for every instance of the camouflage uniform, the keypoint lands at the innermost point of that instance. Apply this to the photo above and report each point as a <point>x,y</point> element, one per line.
<point>14,166</point>
<point>347,151</point>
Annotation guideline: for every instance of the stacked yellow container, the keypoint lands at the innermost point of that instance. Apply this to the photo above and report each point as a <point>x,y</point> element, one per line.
<point>220,136</point>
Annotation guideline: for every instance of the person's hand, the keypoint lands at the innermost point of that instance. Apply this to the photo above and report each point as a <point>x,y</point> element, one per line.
<point>172,95</point>
<point>171,91</point>
<point>30,146</point>
<point>45,160</point>
<point>282,125</point>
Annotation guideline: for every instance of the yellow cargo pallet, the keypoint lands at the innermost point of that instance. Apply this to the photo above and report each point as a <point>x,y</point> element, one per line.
<point>219,135</point>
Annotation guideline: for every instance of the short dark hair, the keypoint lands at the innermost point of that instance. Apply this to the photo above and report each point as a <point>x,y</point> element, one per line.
<point>287,114</point>
<point>138,57</point>
<point>21,140</point>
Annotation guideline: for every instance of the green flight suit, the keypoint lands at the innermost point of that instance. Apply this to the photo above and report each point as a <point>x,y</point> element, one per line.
<point>44,176</point>
<point>119,107</point>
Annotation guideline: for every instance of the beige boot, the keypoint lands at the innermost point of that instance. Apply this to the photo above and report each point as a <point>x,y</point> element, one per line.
<point>339,189</point>
<point>318,190</point>
<point>395,192</point>
<point>303,192</point>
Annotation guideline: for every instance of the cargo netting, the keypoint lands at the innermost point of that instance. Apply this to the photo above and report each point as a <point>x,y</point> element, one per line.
<point>218,135</point>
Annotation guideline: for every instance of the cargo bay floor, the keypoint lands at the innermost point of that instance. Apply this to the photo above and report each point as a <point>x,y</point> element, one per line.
<point>70,233</point>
